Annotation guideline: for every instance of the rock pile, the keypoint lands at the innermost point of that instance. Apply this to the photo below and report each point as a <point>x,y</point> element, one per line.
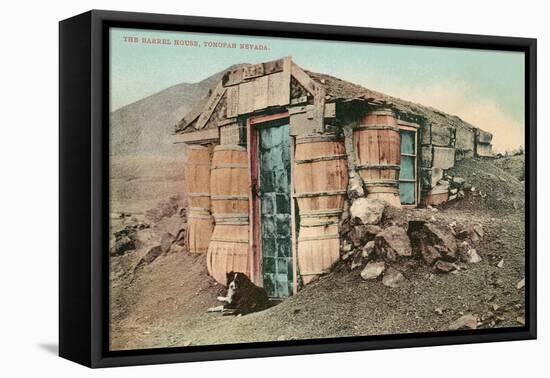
<point>382,248</point>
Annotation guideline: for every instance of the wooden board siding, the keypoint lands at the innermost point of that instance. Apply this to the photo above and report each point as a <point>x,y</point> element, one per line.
<point>200,136</point>
<point>211,104</point>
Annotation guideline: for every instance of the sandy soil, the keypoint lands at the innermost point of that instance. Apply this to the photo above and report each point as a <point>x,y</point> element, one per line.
<point>164,303</point>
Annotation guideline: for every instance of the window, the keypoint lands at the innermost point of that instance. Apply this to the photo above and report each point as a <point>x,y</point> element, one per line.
<point>407,173</point>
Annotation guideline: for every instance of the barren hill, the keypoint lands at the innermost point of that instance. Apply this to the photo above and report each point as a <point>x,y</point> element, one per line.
<point>145,126</point>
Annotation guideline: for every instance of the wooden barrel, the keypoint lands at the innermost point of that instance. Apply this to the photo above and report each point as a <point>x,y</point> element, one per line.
<point>229,247</point>
<point>320,172</point>
<point>200,225</point>
<point>197,176</point>
<point>229,180</point>
<point>320,182</point>
<point>318,243</point>
<point>377,146</point>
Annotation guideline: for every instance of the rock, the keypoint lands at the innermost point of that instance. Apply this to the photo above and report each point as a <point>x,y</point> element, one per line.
<point>149,257</point>
<point>478,230</point>
<point>393,242</point>
<point>500,263</point>
<point>368,249</point>
<point>367,211</point>
<point>430,254</point>
<point>444,266</point>
<point>459,181</point>
<point>361,234</point>
<point>453,197</point>
<point>472,232</point>
<point>424,234</point>
<point>438,311</point>
<point>521,284</point>
<point>355,187</point>
<point>373,270</point>
<point>467,321</point>
<point>521,320</point>
<point>346,246</point>
<point>122,245</point>
<point>347,255</point>
<point>166,241</point>
<point>357,261</point>
<point>467,254</point>
<point>460,194</point>
<point>431,208</point>
<point>393,278</point>
<point>453,191</point>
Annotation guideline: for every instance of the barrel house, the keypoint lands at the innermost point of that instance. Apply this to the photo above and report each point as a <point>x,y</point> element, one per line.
<point>276,154</point>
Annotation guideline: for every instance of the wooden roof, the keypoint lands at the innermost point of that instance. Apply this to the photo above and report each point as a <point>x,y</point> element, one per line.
<point>336,90</point>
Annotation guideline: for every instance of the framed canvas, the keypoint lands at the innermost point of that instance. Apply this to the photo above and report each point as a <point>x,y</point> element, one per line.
<point>236,188</point>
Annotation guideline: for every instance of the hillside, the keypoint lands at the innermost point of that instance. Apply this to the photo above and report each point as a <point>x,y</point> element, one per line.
<point>145,126</point>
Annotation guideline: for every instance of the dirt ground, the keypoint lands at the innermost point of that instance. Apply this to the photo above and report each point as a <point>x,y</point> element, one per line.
<point>163,303</point>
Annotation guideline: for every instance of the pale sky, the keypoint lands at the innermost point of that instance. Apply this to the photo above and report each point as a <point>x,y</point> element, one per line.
<point>483,87</point>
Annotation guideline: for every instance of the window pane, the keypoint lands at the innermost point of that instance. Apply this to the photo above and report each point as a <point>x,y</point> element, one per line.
<point>407,168</point>
<point>407,142</point>
<point>406,193</point>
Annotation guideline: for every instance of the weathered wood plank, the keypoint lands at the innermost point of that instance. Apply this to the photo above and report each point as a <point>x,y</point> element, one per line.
<point>279,85</point>
<point>216,96</point>
<point>205,135</point>
<point>232,101</point>
<point>330,110</point>
<point>233,77</point>
<point>252,71</point>
<point>246,97</point>
<point>274,66</point>
<point>261,93</point>
<point>192,115</point>
<point>303,78</point>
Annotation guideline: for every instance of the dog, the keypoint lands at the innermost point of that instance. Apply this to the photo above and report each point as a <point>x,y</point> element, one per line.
<point>243,297</point>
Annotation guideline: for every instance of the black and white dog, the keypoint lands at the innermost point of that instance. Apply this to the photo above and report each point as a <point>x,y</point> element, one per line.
<point>243,297</point>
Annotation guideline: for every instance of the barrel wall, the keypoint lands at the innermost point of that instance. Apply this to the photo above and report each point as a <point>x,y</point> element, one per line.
<point>229,183</point>
<point>197,186</point>
<point>320,182</point>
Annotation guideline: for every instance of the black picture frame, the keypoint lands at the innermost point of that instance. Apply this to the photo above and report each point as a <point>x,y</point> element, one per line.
<point>83,196</point>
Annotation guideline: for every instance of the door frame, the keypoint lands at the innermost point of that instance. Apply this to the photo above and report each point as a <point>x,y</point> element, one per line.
<point>253,124</point>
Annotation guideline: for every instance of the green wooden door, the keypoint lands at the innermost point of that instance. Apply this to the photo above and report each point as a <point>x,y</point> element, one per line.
<point>275,217</point>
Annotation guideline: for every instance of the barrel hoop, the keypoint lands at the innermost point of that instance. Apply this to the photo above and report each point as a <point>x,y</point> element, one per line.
<point>229,147</point>
<point>198,194</point>
<point>237,197</point>
<point>322,158</point>
<point>199,216</point>
<point>380,182</point>
<point>231,219</point>
<point>319,194</point>
<point>221,240</point>
<point>376,127</point>
<point>318,138</point>
<point>320,237</point>
<point>222,166</point>
<point>378,166</point>
<point>319,223</point>
<point>318,213</point>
